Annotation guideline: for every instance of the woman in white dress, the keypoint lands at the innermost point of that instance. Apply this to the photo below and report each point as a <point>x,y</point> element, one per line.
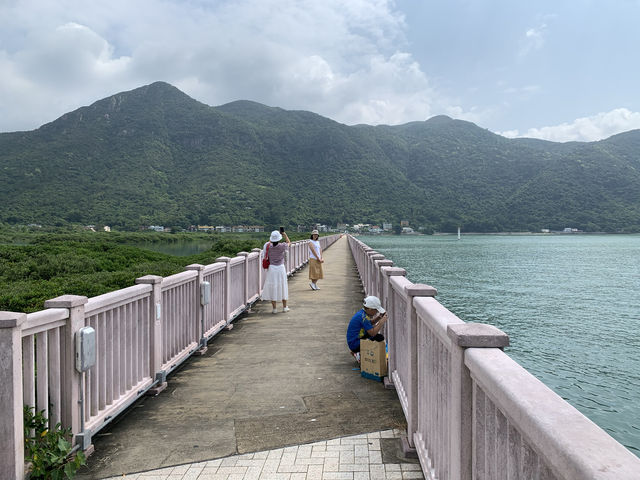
<point>275,285</point>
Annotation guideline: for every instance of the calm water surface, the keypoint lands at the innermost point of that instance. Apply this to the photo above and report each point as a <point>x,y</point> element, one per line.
<point>570,304</point>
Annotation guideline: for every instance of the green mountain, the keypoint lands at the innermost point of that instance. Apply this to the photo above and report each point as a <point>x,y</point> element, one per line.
<point>156,156</point>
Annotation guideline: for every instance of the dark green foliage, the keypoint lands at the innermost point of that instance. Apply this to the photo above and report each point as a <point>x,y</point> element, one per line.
<point>48,450</point>
<point>156,156</point>
<point>85,263</point>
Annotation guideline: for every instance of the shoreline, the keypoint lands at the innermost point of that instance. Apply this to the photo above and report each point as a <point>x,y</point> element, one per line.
<point>454,234</point>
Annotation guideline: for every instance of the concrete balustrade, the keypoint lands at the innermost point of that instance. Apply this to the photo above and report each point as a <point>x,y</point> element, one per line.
<point>143,333</point>
<point>472,412</point>
<point>11,428</point>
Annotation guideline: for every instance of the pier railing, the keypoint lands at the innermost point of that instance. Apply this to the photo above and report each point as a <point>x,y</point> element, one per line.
<point>472,412</point>
<point>140,335</point>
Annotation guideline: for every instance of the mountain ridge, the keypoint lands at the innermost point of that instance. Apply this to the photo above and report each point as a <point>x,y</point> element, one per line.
<point>154,155</point>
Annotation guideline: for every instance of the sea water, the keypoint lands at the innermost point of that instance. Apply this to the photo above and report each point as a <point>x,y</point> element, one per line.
<point>570,304</point>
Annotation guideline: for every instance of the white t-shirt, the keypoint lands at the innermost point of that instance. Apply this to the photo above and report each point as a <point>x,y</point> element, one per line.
<point>316,244</point>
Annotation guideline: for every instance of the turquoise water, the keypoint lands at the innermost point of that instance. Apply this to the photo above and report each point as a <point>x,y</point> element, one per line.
<point>569,303</point>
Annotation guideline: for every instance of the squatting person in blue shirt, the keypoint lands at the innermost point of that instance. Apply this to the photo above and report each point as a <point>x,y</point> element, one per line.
<point>366,324</point>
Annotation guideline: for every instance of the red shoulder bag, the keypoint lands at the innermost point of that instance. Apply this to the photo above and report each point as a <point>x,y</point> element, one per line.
<point>265,260</point>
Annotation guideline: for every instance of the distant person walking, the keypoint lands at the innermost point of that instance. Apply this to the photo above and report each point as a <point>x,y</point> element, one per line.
<point>275,286</point>
<point>315,260</point>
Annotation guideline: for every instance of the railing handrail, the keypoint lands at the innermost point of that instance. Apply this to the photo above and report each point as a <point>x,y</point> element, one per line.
<point>472,411</point>
<point>563,435</point>
<point>43,320</point>
<point>131,342</point>
<point>111,300</point>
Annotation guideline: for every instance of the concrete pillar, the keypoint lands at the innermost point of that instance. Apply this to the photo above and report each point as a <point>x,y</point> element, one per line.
<point>155,333</point>
<point>11,418</point>
<point>381,280</point>
<point>257,272</point>
<point>388,272</point>
<point>380,277</point>
<point>245,284</point>
<point>463,336</point>
<point>362,265</point>
<point>227,287</point>
<point>71,378</point>
<point>374,276</point>
<point>202,341</point>
<point>368,271</point>
<point>412,291</point>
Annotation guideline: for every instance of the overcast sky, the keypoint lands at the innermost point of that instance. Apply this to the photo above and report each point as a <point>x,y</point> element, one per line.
<point>554,69</point>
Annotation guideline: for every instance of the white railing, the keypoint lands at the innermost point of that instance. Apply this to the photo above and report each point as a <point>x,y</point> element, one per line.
<point>142,333</point>
<point>472,412</point>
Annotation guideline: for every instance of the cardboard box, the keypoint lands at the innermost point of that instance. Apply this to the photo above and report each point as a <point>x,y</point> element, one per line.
<point>373,360</point>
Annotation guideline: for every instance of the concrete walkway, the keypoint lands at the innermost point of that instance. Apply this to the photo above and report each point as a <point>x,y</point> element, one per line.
<point>275,381</point>
<point>357,457</point>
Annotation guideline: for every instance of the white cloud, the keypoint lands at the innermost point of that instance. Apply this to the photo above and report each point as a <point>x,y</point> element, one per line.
<point>524,92</point>
<point>534,39</point>
<point>344,60</point>
<point>585,129</point>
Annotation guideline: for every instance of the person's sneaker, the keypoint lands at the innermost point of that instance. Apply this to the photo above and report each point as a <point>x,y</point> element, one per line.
<point>274,311</point>
<point>313,286</point>
<point>317,287</point>
<point>356,355</point>
<point>285,309</point>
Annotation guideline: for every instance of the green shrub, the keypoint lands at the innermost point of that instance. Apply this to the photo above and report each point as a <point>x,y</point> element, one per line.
<point>48,450</point>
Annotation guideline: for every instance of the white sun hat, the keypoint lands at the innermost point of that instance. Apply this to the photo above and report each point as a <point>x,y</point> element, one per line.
<point>373,302</point>
<point>275,236</point>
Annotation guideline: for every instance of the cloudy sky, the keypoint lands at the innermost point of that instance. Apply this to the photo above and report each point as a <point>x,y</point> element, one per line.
<point>554,69</point>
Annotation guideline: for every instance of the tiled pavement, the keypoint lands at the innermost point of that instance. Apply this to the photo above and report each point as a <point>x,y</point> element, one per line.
<point>357,457</point>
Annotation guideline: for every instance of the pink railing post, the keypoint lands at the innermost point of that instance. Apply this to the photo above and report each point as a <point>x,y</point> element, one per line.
<point>258,272</point>
<point>363,268</point>
<point>463,336</point>
<point>71,378</point>
<point>200,330</point>
<point>388,272</point>
<point>227,287</point>
<point>379,281</point>
<point>373,277</point>
<point>368,275</point>
<point>246,276</point>
<point>415,290</point>
<point>288,261</point>
<point>11,420</point>
<point>155,335</point>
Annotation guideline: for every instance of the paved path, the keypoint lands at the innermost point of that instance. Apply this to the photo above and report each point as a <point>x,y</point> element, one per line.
<point>272,382</point>
<point>357,457</point>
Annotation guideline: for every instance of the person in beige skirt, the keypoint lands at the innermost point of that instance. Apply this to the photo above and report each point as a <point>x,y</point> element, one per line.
<point>315,260</point>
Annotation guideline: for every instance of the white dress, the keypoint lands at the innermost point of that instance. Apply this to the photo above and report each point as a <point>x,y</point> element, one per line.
<point>275,286</point>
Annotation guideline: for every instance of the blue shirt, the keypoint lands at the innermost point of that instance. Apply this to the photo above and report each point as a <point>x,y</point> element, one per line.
<point>358,326</point>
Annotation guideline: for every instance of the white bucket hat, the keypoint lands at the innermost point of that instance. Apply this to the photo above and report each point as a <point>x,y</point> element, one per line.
<point>275,236</point>
<point>373,302</point>
<point>315,232</point>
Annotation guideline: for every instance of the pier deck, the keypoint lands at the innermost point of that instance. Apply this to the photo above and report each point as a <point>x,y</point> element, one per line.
<point>272,383</point>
